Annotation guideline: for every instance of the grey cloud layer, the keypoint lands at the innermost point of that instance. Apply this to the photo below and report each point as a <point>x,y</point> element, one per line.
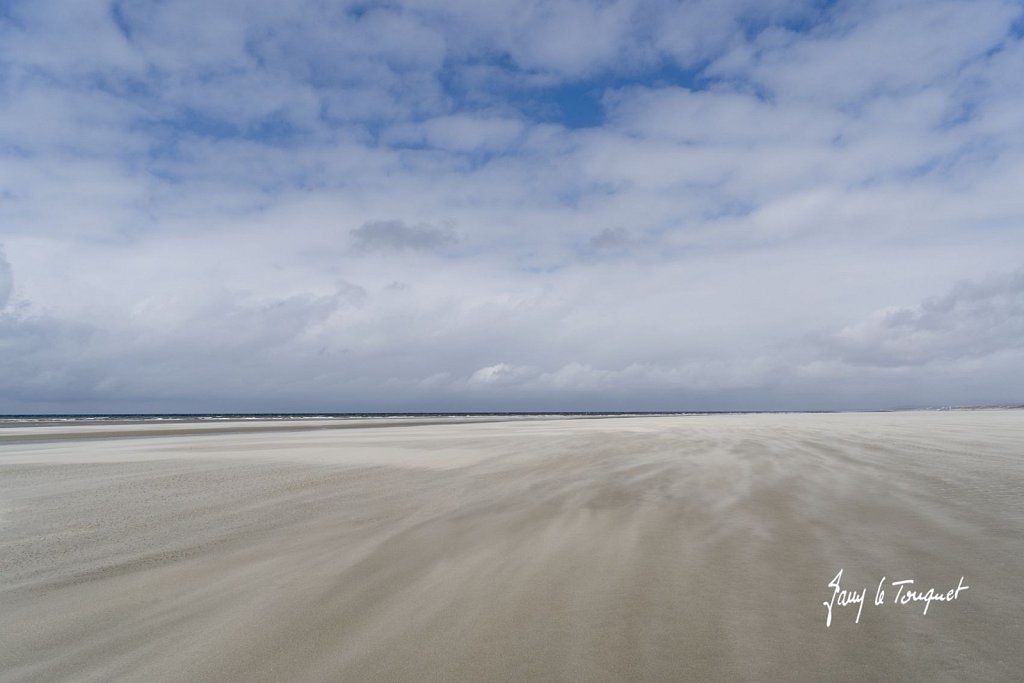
<point>6,280</point>
<point>973,321</point>
<point>397,236</point>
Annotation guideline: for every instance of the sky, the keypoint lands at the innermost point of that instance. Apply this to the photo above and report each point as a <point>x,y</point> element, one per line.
<point>512,205</point>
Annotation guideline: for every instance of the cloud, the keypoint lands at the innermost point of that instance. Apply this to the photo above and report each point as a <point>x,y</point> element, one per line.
<point>501,374</point>
<point>661,204</point>
<point>973,320</point>
<point>398,236</point>
<point>872,50</point>
<point>6,280</point>
<point>460,133</point>
<point>609,238</point>
<point>206,353</point>
<point>46,362</point>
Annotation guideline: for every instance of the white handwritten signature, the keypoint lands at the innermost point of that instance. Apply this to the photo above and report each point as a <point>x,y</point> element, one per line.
<point>842,597</point>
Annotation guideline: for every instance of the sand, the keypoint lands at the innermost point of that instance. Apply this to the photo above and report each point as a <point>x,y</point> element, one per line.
<point>640,548</point>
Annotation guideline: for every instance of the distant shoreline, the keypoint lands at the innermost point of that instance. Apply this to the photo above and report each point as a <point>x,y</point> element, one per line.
<point>40,419</point>
<point>29,429</point>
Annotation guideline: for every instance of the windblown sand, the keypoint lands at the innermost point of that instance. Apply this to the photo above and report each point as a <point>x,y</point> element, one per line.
<point>643,548</point>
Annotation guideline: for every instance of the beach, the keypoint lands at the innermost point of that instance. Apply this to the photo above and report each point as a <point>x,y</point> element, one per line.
<point>649,548</point>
